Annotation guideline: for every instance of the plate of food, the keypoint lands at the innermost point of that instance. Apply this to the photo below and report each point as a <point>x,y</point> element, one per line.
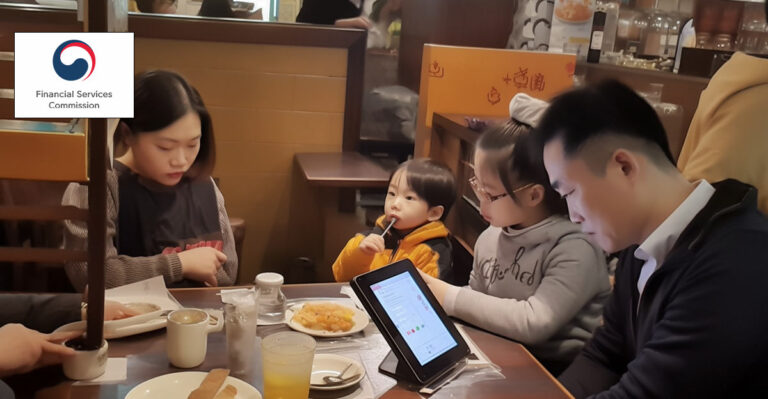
<point>326,319</point>
<point>192,384</point>
<point>150,317</point>
<point>573,11</point>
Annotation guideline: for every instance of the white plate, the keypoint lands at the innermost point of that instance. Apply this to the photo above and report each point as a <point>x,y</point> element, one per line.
<point>131,325</point>
<point>133,329</point>
<point>360,318</point>
<point>330,364</point>
<point>180,385</point>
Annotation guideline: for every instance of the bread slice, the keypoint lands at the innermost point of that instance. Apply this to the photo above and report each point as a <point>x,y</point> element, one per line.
<point>229,392</point>
<point>210,385</point>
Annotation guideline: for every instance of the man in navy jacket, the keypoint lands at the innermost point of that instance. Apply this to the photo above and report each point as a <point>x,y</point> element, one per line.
<point>689,314</point>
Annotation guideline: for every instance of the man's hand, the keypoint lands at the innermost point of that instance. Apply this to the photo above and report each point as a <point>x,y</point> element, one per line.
<point>24,349</point>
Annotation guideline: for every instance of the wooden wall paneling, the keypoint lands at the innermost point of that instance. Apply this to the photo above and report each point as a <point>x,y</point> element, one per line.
<point>476,23</point>
<point>303,95</point>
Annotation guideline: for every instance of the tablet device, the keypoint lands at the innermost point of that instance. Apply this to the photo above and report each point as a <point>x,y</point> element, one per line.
<point>424,341</point>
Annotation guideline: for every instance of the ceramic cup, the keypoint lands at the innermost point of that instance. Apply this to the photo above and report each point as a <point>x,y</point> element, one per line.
<point>187,339</point>
<point>85,364</point>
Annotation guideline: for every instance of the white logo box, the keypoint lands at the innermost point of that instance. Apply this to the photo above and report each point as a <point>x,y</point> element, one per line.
<point>105,90</point>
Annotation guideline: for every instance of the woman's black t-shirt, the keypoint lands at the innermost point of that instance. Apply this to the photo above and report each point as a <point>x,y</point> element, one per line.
<point>155,219</point>
<point>326,12</point>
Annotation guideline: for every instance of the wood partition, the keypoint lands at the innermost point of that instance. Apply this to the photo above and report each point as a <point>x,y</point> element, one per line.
<point>476,23</point>
<point>273,90</point>
<point>481,82</point>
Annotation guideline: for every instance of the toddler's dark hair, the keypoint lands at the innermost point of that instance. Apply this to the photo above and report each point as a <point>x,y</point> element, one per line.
<point>432,181</point>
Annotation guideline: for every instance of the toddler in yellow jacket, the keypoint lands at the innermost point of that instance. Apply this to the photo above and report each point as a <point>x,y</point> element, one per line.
<point>419,196</point>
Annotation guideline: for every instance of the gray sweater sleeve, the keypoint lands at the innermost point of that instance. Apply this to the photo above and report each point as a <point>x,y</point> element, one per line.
<point>228,272</point>
<point>570,281</point>
<point>43,313</point>
<point>121,269</point>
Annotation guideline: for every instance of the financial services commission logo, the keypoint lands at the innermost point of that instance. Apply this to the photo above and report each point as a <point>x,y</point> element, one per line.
<point>80,69</point>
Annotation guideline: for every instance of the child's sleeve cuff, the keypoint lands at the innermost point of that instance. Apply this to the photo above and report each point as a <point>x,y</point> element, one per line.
<point>449,300</point>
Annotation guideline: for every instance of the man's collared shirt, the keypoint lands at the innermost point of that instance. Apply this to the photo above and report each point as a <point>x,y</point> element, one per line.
<point>656,247</point>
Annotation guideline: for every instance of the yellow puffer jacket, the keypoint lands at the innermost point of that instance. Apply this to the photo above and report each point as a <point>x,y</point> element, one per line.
<point>427,247</point>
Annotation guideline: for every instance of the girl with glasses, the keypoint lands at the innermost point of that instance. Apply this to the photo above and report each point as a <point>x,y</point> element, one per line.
<point>536,278</point>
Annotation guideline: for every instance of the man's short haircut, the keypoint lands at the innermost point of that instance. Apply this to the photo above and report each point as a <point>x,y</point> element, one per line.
<point>432,181</point>
<point>604,117</point>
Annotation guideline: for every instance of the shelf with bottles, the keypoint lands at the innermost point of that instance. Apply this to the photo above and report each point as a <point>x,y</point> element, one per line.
<point>650,34</point>
<point>676,105</point>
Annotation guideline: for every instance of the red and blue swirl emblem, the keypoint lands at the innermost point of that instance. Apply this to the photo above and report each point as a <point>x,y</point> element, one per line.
<point>80,69</point>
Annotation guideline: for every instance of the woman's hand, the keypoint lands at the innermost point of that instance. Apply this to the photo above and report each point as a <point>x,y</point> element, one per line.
<point>357,22</point>
<point>24,349</point>
<point>437,286</point>
<point>372,244</point>
<point>201,264</point>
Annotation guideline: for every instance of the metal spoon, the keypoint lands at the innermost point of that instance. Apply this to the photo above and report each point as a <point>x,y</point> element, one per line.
<point>332,380</point>
<point>337,379</point>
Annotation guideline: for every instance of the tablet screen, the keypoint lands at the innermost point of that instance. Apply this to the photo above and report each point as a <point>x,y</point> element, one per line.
<point>416,321</point>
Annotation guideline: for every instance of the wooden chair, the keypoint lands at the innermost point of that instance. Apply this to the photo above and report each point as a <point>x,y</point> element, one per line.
<point>34,277</point>
<point>96,133</point>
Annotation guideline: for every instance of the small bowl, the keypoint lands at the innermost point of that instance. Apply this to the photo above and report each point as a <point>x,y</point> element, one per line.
<point>85,364</point>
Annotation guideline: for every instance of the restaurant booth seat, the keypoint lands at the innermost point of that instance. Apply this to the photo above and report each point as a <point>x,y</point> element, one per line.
<point>238,231</point>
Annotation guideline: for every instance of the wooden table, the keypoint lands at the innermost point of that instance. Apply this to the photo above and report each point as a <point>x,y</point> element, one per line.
<point>341,169</point>
<point>525,377</point>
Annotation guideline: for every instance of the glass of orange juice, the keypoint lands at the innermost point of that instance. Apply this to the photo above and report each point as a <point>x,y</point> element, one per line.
<point>286,359</point>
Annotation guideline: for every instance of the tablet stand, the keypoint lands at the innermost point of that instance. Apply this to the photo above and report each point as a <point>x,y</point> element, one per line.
<point>392,367</point>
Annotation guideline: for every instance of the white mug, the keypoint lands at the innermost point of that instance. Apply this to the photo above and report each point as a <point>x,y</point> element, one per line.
<point>187,339</point>
<point>86,364</point>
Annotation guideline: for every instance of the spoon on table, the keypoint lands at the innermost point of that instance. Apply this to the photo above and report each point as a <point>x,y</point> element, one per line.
<point>338,379</point>
<point>332,380</point>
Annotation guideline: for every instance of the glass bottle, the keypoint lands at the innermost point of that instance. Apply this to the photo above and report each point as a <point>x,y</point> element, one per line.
<point>752,28</point>
<point>654,43</point>
<point>271,298</point>
<point>706,13</point>
<point>611,9</point>
<point>723,42</point>
<point>637,31</point>
<point>677,17</point>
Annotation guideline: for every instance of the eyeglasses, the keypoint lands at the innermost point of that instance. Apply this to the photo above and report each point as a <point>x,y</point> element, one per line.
<point>482,194</point>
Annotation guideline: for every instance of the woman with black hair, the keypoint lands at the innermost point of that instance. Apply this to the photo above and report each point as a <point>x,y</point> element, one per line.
<point>165,215</point>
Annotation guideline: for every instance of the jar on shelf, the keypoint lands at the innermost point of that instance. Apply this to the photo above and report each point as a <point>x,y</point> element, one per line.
<point>723,42</point>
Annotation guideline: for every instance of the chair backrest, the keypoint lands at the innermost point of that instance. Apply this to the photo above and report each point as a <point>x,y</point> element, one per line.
<point>463,258</point>
<point>31,222</point>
